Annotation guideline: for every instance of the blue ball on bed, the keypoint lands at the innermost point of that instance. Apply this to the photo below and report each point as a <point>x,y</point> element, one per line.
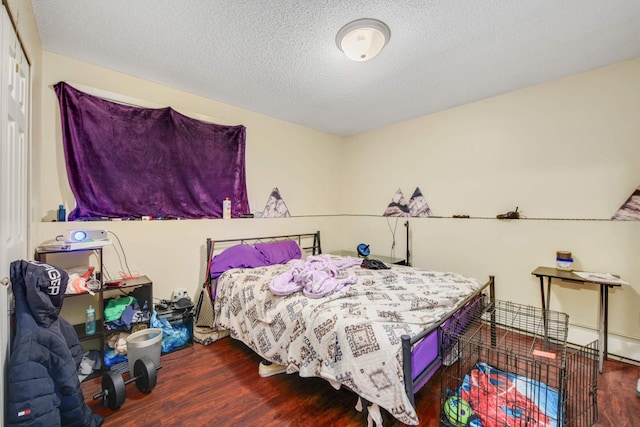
<point>458,411</point>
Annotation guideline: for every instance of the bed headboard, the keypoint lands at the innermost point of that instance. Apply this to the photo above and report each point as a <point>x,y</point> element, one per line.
<point>309,242</point>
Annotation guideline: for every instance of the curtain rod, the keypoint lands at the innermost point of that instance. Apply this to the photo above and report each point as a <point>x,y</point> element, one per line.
<point>114,96</point>
<point>136,102</point>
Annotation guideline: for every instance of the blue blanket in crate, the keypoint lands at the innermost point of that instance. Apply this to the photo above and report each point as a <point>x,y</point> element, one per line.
<point>500,398</point>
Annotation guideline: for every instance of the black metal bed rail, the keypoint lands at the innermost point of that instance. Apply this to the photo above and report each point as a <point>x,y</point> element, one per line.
<point>315,247</point>
<point>408,342</point>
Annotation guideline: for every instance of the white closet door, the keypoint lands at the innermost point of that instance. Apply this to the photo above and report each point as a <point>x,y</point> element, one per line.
<point>14,137</point>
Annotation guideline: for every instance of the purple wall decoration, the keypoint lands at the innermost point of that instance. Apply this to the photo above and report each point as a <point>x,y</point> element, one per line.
<point>275,208</point>
<point>398,206</point>
<point>630,210</point>
<point>418,206</point>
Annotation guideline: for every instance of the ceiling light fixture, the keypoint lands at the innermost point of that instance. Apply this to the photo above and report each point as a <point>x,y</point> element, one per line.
<point>363,39</point>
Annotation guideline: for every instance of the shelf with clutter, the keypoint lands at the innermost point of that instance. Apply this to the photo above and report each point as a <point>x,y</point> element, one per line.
<point>120,307</point>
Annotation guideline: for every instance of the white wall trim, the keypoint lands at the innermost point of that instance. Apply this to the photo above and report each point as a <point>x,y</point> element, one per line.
<point>625,347</point>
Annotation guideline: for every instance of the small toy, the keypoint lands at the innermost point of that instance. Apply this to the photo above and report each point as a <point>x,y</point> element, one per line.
<point>458,411</point>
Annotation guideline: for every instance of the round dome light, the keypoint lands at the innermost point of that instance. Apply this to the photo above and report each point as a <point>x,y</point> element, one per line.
<point>363,39</point>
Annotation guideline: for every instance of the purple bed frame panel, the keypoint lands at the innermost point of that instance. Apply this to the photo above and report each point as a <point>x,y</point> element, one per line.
<point>425,351</point>
<point>423,355</point>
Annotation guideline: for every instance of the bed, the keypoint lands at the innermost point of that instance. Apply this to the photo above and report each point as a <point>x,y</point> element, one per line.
<point>380,336</point>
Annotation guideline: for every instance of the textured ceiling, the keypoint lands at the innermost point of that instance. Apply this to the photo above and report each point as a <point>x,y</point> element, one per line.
<point>279,57</point>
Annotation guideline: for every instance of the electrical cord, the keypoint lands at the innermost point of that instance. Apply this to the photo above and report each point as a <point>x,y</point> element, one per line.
<point>113,277</point>
<point>107,276</point>
<point>129,275</point>
<point>393,237</point>
<point>125,273</point>
<point>93,284</point>
<point>121,249</point>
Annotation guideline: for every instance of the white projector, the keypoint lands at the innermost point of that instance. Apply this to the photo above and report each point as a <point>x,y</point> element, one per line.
<point>81,236</point>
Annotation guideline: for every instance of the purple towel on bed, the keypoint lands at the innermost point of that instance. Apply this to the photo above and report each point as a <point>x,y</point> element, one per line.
<point>316,277</point>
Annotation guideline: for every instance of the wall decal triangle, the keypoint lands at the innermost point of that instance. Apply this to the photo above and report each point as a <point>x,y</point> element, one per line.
<point>398,206</point>
<point>276,207</point>
<point>630,210</point>
<point>418,205</point>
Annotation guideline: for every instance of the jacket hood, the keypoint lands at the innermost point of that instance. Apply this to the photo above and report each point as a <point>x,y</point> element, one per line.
<point>38,288</point>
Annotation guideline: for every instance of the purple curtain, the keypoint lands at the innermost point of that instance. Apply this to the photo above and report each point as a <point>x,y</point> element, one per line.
<point>128,162</point>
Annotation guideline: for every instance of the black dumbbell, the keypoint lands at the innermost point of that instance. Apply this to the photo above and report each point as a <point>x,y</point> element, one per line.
<point>113,386</point>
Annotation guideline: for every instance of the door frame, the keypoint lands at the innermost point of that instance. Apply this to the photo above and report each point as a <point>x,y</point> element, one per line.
<point>14,168</point>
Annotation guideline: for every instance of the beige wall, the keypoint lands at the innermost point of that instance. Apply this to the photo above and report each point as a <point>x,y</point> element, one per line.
<point>279,154</point>
<point>566,152</point>
<point>565,149</point>
<point>303,163</point>
<point>173,253</point>
<point>22,13</point>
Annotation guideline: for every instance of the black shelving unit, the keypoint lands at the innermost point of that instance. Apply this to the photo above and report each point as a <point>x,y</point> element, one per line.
<point>141,287</point>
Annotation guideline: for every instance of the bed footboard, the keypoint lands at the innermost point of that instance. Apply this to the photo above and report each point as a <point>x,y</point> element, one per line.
<point>423,354</point>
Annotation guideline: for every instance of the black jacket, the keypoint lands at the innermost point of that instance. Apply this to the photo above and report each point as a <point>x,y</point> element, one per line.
<point>44,389</point>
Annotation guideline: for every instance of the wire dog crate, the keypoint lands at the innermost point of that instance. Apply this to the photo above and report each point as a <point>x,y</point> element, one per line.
<point>510,365</point>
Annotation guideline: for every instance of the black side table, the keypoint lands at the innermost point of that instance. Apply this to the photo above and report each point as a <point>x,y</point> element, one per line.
<point>554,273</point>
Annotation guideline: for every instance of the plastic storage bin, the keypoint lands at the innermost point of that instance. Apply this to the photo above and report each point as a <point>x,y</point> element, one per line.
<point>146,342</point>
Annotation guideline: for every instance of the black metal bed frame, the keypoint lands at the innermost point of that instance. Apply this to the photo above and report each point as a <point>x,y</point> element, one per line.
<point>408,342</point>
<point>314,247</point>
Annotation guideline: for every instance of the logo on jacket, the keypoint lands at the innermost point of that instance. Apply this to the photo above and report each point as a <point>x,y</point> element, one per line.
<point>55,278</point>
<point>25,412</point>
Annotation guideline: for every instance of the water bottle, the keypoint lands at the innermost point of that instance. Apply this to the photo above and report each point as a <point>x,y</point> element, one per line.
<point>62,214</point>
<point>226,208</point>
<point>90,321</point>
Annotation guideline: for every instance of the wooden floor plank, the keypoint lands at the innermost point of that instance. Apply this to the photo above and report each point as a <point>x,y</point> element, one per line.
<point>219,385</point>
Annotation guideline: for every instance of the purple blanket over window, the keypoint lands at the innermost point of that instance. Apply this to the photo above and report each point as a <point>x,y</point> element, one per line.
<point>125,161</point>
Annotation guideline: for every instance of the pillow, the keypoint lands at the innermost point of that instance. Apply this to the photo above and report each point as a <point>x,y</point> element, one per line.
<point>238,256</point>
<point>279,252</point>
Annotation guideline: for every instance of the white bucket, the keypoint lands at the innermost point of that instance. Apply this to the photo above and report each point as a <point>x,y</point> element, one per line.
<point>146,342</point>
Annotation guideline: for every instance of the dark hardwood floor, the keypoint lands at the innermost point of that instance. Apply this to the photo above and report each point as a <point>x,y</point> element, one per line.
<point>218,385</point>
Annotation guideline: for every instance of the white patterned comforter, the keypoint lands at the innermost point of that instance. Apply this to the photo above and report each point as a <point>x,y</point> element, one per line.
<point>351,337</point>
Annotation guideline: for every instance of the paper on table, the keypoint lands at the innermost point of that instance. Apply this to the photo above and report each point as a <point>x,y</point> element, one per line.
<point>601,278</point>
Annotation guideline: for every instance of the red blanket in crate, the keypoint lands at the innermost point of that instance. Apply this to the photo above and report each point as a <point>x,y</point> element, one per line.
<point>504,399</point>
